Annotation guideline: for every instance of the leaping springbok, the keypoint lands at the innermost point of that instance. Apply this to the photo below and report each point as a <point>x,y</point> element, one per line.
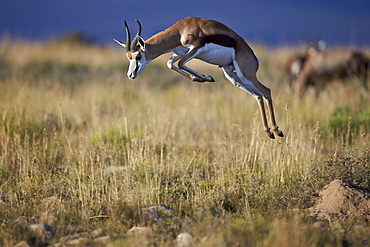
<point>211,42</point>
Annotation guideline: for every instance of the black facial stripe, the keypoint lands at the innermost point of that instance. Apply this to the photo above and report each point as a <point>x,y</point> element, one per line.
<point>136,67</point>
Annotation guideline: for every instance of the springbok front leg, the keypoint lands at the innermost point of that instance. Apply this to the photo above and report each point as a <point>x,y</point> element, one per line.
<point>170,64</point>
<point>193,52</point>
<point>184,57</point>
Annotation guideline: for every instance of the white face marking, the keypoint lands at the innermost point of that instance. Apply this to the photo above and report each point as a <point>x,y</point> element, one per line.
<point>138,63</point>
<point>296,68</point>
<point>312,51</point>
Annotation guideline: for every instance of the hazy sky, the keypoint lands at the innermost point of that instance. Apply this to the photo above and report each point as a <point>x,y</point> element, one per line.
<point>272,22</point>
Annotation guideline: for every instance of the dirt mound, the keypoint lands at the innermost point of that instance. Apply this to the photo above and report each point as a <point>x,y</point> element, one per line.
<point>340,201</point>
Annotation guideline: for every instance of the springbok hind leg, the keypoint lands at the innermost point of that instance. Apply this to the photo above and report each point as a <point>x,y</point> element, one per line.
<point>263,115</point>
<point>266,94</point>
<point>275,128</point>
<point>231,75</point>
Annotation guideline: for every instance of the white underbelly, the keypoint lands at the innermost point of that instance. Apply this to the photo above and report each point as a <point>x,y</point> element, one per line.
<point>216,54</point>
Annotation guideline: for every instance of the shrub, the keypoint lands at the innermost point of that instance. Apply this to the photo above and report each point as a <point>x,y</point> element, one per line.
<point>349,166</point>
<point>75,38</point>
<point>345,124</point>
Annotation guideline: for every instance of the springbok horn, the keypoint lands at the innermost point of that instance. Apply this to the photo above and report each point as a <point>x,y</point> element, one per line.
<point>136,39</point>
<point>128,37</point>
<point>139,27</point>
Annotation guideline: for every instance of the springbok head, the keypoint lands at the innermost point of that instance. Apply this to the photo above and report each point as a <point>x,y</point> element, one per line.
<point>135,51</point>
<point>315,47</point>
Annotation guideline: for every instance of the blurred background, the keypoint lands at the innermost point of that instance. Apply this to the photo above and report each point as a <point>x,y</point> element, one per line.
<point>271,23</point>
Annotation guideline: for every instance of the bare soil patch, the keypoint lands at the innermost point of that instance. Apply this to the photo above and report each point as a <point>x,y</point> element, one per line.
<point>340,201</point>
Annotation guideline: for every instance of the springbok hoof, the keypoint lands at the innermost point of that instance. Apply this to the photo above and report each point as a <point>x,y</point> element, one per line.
<point>270,134</point>
<point>210,79</point>
<point>279,132</point>
<point>196,79</point>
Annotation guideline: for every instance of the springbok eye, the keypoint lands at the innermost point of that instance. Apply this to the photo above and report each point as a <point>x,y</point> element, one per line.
<point>138,57</point>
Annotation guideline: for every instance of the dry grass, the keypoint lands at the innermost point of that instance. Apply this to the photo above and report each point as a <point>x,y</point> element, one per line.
<point>72,124</point>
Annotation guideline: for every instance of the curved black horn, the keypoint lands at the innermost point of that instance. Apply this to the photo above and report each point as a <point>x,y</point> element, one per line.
<point>139,27</point>
<point>128,37</point>
<point>136,38</point>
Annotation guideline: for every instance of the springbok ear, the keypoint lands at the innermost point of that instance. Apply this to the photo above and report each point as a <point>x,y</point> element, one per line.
<point>321,45</point>
<point>121,43</point>
<point>141,43</point>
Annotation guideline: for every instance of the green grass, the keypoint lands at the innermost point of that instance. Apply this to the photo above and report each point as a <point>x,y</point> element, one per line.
<point>72,124</point>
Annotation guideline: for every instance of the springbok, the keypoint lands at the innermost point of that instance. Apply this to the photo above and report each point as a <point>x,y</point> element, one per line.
<point>211,42</point>
<point>321,67</point>
<point>293,68</point>
<point>294,64</point>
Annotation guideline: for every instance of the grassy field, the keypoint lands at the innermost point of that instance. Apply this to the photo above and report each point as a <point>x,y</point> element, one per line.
<point>74,127</point>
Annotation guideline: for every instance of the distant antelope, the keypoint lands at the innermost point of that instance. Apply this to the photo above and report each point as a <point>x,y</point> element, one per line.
<point>211,42</point>
<point>337,65</point>
<point>293,68</point>
<point>294,64</point>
